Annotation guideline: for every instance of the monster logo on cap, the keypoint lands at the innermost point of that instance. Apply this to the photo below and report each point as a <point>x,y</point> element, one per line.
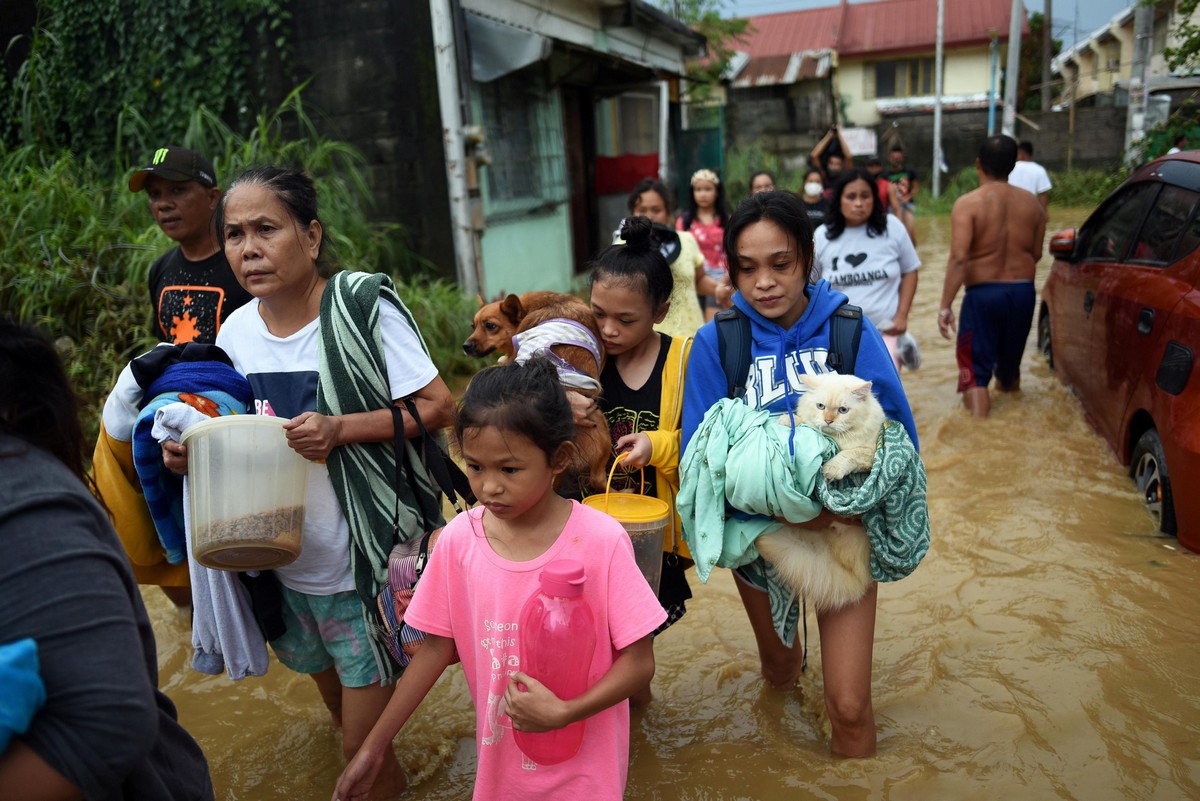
<point>175,164</point>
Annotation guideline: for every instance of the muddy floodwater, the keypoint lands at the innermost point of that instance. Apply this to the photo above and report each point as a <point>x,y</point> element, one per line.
<point>1047,648</point>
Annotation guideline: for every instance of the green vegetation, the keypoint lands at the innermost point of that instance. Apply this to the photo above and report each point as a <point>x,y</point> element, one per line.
<point>741,163</point>
<point>724,37</point>
<point>77,245</point>
<point>89,64</point>
<point>1076,188</point>
<point>1183,56</point>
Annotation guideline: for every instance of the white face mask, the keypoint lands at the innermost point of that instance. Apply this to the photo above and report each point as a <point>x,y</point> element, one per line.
<point>813,189</point>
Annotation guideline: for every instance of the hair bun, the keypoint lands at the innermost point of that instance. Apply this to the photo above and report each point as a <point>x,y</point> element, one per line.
<point>637,231</point>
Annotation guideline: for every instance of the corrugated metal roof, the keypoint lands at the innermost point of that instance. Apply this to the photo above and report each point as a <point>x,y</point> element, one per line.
<point>785,69</point>
<point>793,31</point>
<point>888,26</point>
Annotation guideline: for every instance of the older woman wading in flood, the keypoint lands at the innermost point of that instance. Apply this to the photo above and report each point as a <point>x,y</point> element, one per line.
<point>273,240</point>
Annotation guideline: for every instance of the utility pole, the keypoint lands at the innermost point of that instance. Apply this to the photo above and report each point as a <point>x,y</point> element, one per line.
<point>937,101</point>
<point>1012,74</point>
<point>1047,53</point>
<point>994,61</point>
<point>1135,121</point>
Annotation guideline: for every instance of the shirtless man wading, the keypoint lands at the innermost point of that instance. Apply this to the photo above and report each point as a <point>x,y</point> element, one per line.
<point>996,235</point>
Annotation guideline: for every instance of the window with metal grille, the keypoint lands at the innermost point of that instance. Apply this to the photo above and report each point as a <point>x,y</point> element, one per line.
<point>523,125</point>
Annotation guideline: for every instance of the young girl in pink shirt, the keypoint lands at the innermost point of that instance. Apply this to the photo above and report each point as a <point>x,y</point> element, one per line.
<point>706,218</point>
<point>514,429</point>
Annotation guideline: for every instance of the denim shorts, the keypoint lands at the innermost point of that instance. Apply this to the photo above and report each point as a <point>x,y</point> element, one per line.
<point>326,631</point>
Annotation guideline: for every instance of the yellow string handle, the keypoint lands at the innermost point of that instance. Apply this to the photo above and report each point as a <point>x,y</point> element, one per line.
<point>613,470</point>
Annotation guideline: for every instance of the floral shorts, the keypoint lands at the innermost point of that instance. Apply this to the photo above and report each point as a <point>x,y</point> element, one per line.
<point>326,631</point>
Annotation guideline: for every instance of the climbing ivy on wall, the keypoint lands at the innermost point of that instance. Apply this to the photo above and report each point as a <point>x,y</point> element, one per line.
<point>95,64</point>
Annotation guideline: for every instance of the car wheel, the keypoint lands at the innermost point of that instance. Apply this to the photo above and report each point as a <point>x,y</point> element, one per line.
<point>1043,338</point>
<point>1148,467</point>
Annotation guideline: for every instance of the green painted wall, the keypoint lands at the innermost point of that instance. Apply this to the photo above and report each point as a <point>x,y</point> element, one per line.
<point>527,253</point>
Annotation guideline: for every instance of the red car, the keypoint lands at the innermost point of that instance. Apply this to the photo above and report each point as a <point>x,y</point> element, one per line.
<point>1120,322</point>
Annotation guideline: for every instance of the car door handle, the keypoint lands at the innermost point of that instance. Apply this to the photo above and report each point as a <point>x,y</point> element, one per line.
<point>1089,298</point>
<point>1145,322</point>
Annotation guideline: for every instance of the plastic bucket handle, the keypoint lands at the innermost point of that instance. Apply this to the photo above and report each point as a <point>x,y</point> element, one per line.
<point>613,470</point>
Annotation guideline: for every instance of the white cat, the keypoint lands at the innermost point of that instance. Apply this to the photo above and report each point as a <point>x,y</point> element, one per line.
<point>843,407</point>
<point>831,567</point>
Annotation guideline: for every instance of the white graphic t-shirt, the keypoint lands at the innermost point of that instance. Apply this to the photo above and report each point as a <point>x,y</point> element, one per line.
<point>282,372</point>
<point>867,269</point>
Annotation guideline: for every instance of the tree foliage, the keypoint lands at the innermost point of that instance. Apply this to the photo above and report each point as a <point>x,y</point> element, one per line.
<point>76,245</point>
<point>723,35</point>
<point>1184,57</point>
<point>90,61</point>
<point>1031,62</point>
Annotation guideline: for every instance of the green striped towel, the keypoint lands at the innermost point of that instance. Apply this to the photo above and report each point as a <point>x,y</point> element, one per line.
<point>353,378</point>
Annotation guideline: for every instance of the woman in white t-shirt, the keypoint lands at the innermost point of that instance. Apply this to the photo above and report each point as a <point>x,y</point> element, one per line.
<point>273,239</point>
<point>866,254</point>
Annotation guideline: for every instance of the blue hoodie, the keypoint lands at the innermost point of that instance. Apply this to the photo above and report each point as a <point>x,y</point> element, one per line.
<point>803,348</point>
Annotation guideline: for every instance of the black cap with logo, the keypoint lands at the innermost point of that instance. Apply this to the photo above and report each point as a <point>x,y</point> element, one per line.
<point>175,164</point>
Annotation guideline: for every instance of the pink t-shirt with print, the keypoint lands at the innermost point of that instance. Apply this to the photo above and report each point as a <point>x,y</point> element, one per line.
<point>711,239</point>
<point>470,593</point>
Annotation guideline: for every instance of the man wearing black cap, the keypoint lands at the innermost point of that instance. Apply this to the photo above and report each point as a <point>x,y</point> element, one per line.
<point>192,288</point>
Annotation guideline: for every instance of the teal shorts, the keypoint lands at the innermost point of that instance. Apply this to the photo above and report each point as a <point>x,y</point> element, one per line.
<point>326,631</point>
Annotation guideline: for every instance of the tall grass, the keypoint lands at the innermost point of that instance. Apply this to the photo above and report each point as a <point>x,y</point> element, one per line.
<point>76,245</point>
<point>743,162</point>
<point>1074,188</point>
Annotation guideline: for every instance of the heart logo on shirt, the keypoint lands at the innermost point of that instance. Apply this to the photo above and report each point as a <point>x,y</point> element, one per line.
<point>856,259</point>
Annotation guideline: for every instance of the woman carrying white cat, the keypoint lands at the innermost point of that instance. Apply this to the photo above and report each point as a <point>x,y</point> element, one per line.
<point>769,244</point>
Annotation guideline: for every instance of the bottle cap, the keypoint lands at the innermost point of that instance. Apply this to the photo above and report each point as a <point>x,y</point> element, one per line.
<point>563,578</point>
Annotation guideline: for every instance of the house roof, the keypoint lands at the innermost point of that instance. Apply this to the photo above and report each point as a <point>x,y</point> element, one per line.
<point>878,28</point>
<point>788,68</point>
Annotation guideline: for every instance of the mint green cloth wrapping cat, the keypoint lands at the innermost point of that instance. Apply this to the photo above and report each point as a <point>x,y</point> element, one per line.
<point>746,451</point>
<point>890,500</point>
<point>742,456</point>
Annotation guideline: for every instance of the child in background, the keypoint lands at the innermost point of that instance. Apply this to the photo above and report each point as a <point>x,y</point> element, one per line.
<point>706,219</point>
<point>651,199</point>
<point>514,428</point>
<point>762,181</point>
<point>642,389</point>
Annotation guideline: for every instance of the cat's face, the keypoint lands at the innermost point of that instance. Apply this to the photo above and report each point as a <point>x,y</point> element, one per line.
<point>836,403</point>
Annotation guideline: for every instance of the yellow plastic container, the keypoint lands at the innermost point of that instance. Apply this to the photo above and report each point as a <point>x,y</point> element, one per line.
<point>247,491</point>
<point>644,518</point>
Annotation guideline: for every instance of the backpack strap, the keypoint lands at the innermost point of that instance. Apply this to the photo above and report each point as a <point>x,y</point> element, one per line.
<point>845,332</point>
<point>733,337</point>
<point>733,344</point>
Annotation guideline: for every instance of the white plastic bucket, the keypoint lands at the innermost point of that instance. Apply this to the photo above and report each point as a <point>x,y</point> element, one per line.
<point>247,491</point>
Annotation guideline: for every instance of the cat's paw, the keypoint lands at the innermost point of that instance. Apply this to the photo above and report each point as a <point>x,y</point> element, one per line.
<point>836,468</point>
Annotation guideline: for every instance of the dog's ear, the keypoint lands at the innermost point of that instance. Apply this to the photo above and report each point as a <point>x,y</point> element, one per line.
<point>512,309</point>
<point>479,300</point>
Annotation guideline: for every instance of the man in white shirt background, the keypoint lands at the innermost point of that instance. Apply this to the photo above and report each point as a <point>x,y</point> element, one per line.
<point>1031,176</point>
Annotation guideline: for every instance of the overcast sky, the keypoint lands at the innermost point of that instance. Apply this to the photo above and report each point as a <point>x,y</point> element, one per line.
<point>1070,16</point>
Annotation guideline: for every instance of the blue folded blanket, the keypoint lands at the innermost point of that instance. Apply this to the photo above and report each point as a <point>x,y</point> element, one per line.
<point>215,389</point>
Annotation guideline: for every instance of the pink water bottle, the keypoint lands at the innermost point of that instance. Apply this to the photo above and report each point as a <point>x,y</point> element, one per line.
<point>558,640</point>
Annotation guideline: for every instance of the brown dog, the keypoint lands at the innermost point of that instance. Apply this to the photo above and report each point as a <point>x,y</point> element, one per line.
<point>495,325</point>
